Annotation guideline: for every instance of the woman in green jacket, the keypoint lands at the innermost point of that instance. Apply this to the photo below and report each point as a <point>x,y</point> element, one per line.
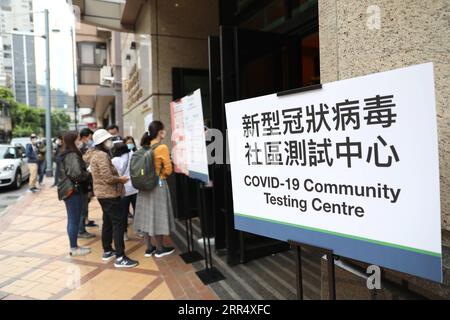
<point>73,181</point>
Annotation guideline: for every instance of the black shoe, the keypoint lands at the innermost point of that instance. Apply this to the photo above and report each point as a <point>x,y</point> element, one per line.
<point>107,256</point>
<point>164,252</point>
<point>125,262</point>
<point>91,224</point>
<point>150,252</point>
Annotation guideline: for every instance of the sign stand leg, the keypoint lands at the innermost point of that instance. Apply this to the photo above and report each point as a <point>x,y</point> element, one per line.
<point>191,255</point>
<point>330,263</point>
<point>210,274</point>
<point>331,276</point>
<point>299,273</point>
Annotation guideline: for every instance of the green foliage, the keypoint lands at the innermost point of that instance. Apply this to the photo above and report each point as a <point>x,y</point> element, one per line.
<point>27,120</point>
<point>60,123</point>
<point>8,96</point>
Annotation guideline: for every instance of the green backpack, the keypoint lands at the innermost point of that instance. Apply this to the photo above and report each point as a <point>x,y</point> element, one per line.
<point>142,169</point>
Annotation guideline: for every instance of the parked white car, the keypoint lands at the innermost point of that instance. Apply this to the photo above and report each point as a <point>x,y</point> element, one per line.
<point>20,141</point>
<point>13,166</point>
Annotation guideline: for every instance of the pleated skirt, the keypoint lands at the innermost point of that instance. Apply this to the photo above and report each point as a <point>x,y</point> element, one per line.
<point>154,212</point>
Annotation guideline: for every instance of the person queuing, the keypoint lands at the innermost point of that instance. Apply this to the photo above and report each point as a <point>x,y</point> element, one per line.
<point>84,145</point>
<point>31,152</point>
<point>87,146</point>
<point>154,214</point>
<point>86,142</point>
<point>121,161</point>
<point>129,141</point>
<point>113,129</point>
<point>58,145</point>
<point>108,188</point>
<point>73,182</point>
<point>41,152</point>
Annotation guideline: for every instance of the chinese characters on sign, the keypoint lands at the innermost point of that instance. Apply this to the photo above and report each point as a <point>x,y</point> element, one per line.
<point>344,116</point>
<point>351,167</point>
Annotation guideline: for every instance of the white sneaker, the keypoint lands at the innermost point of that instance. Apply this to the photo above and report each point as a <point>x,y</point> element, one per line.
<point>80,251</point>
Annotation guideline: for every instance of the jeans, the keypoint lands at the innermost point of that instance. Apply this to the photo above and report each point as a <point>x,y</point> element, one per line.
<point>125,202</point>
<point>84,212</point>
<point>41,170</point>
<point>73,207</point>
<point>113,225</point>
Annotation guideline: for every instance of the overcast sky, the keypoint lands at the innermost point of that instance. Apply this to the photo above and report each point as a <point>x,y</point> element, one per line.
<point>61,57</point>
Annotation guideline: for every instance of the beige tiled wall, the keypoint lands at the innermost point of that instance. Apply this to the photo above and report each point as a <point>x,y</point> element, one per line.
<point>178,31</point>
<point>411,32</point>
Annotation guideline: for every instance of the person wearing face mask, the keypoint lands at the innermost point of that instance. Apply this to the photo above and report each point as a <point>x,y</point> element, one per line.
<point>86,142</point>
<point>129,141</point>
<point>84,146</point>
<point>42,166</point>
<point>122,161</point>
<point>58,143</point>
<point>109,188</point>
<point>31,152</point>
<point>73,183</point>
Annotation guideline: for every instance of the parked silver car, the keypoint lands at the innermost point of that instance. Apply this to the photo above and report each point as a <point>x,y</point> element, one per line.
<point>13,166</point>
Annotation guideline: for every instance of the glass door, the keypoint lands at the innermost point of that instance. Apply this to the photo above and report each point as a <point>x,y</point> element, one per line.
<point>252,63</point>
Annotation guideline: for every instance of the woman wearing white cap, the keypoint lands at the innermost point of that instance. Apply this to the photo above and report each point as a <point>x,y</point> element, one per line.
<point>108,188</point>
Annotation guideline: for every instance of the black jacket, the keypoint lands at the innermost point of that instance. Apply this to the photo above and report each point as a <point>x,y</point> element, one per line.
<point>73,175</point>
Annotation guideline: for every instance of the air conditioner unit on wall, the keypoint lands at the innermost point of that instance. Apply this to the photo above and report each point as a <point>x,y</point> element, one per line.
<point>106,76</point>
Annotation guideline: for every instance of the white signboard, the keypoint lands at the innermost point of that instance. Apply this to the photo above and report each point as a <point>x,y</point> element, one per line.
<point>351,167</point>
<point>147,120</point>
<point>188,137</point>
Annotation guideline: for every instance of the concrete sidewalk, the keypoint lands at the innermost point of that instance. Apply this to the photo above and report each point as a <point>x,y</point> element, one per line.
<point>35,264</point>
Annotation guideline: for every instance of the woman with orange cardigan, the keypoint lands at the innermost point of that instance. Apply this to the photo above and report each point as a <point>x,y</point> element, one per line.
<point>154,213</point>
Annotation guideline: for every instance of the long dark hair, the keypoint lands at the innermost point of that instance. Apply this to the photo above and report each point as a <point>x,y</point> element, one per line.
<point>101,147</point>
<point>69,143</point>
<point>154,128</point>
<point>119,149</point>
<point>145,140</point>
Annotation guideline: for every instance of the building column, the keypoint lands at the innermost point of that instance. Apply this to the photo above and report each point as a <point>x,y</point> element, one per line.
<point>118,81</point>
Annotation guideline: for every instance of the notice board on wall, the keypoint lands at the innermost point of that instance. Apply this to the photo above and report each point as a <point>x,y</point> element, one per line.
<point>351,167</point>
<point>188,137</point>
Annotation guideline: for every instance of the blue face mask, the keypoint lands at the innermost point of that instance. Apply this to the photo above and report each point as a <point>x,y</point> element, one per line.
<point>130,146</point>
<point>90,143</point>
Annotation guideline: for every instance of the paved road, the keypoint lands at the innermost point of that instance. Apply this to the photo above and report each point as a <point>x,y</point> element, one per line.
<point>9,196</point>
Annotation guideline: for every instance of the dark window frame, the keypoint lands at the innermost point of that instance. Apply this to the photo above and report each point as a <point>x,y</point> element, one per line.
<point>87,66</point>
<point>94,45</point>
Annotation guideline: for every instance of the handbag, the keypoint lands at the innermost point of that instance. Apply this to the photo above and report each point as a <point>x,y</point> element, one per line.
<point>68,184</point>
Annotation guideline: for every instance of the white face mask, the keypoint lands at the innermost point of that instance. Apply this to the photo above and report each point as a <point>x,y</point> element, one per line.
<point>108,144</point>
